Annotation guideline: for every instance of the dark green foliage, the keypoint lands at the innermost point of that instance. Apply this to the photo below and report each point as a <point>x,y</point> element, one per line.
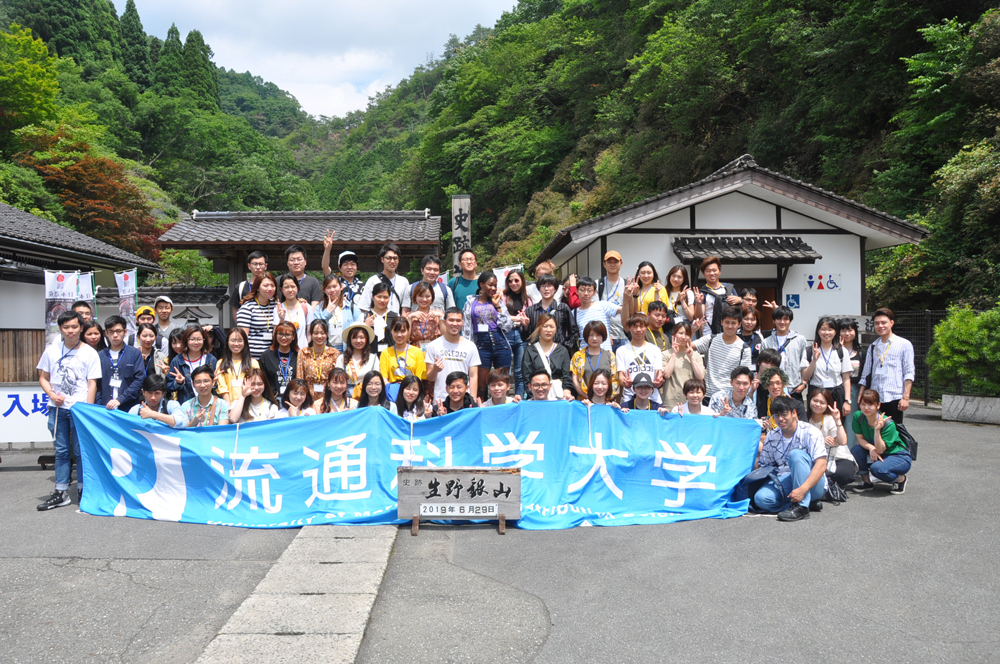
<point>155,46</point>
<point>85,30</point>
<point>168,78</point>
<point>25,189</point>
<point>198,72</point>
<point>135,46</point>
<point>269,109</point>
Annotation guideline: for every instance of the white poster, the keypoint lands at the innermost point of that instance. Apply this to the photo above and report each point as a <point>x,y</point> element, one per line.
<point>127,290</point>
<point>85,289</point>
<point>25,415</point>
<point>60,293</point>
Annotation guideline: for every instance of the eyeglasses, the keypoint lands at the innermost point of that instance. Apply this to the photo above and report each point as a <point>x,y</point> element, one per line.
<point>540,386</point>
<point>390,258</point>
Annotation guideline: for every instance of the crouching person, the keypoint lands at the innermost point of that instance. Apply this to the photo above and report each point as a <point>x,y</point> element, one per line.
<point>798,454</point>
<point>155,407</point>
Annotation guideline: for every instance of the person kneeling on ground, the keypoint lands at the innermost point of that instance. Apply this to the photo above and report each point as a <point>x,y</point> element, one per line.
<point>694,392</point>
<point>880,451</point>
<point>205,409</point>
<point>155,407</point>
<point>457,384</point>
<point>798,454</point>
<point>643,388</point>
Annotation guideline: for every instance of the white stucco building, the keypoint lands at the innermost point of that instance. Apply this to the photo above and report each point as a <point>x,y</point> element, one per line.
<point>793,242</point>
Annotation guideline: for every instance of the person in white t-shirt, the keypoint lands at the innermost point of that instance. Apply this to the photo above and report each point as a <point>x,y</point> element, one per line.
<point>68,372</point>
<point>498,383</point>
<point>390,255</point>
<point>694,393</point>
<point>449,353</point>
<point>638,357</point>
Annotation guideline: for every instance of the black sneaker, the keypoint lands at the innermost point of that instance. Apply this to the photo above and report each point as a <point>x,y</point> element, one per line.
<point>57,499</point>
<point>794,513</point>
<point>815,506</point>
<point>864,486</point>
<point>898,487</point>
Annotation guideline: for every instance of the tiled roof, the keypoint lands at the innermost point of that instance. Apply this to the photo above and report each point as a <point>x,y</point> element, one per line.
<point>748,163</point>
<point>19,225</point>
<point>180,295</point>
<point>753,249</point>
<point>403,226</point>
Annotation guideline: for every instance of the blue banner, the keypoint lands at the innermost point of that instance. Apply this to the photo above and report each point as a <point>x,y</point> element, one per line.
<point>599,466</point>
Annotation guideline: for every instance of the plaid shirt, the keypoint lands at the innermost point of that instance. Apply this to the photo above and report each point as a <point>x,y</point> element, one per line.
<point>745,411</point>
<point>775,451</point>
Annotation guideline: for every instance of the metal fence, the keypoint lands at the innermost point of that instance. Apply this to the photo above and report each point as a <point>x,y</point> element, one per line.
<point>918,328</point>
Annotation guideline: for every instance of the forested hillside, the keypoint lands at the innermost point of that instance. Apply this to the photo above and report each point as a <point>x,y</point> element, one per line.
<point>561,111</point>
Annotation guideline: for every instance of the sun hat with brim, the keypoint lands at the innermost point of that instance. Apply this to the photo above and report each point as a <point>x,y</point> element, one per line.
<point>346,336</point>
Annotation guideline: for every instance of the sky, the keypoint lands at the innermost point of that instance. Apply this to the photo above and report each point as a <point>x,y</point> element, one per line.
<point>331,55</point>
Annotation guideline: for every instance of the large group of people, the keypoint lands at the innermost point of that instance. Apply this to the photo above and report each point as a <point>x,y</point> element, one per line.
<point>302,347</point>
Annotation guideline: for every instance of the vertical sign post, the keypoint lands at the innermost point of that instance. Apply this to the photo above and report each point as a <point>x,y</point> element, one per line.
<point>127,291</point>
<point>461,228</point>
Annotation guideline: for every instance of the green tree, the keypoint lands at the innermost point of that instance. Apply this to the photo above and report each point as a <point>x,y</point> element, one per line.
<point>85,30</point>
<point>25,189</point>
<point>199,73</point>
<point>168,73</point>
<point>155,46</point>
<point>28,84</point>
<point>135,46</point>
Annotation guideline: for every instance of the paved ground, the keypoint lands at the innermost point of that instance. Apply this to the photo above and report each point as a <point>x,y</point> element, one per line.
<point>80,588</point>
<point>911,578</point>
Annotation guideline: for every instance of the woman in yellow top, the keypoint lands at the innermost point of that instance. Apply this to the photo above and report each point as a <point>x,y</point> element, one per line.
<point>402,359</point>
<point>232,370</point>
<point>317,361</point>
<point>645,288</point>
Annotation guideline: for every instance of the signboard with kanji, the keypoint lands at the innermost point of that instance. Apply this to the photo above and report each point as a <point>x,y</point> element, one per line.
<point>459,492</point>
<point>24,411</point>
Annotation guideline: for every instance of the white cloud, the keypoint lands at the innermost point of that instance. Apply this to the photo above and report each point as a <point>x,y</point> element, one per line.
<point>330,55</point>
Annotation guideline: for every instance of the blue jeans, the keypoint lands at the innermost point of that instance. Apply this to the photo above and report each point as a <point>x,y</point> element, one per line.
<point>494,351</point>
<point>617,343</point>
<point>65,435</point>
<point>517,346</point>
<point>773,497</point>
<point>888,469</point>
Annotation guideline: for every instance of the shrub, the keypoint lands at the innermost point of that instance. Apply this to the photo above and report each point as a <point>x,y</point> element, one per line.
<point>966,351</point>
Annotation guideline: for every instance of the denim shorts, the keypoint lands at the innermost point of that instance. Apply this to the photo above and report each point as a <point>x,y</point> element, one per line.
<point>494,350</point>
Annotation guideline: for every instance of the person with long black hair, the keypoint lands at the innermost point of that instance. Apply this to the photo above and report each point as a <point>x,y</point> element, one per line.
<point>373,393</point>
<point>280,361</point>
<point>336,398</point>
<point>517,300</point>
<point>289,309</point>
<point>256,315</point>
<point>234,367</point>
<point>830,367</point>
<point>850,340</point>
<point>337,310</point>
<point>486,323</point>
<point>153,359</point>
<point>358,358</point>
<point>411,403</point>
<point>93,335</point>
<point>317,361</point>
<point>256,403</point>
<point>642,290</point>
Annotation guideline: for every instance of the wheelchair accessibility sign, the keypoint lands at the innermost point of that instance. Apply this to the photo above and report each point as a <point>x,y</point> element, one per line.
<point>822,282</point>
<point>792,301</point>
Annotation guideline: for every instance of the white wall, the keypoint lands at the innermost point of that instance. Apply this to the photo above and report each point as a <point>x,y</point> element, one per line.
<point>841,255</point>
<point>734,211</point>
<point>23,304</point>
<point>675,220</point>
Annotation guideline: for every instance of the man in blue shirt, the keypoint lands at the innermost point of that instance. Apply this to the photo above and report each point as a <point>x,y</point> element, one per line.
<point>122,369</point>
<point>155,407</point>
<point>797,453</point>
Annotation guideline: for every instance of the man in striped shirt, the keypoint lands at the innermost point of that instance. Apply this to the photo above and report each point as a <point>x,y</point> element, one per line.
<point>889,368</point>
<point>723,352</point>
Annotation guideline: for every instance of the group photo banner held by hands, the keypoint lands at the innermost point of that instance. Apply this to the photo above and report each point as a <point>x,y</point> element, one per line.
<point>579,466</point>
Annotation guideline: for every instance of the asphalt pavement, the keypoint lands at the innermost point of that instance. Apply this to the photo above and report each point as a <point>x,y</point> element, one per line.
<point>881,577</point>
<point>910,578</point>
<point>82,588</point>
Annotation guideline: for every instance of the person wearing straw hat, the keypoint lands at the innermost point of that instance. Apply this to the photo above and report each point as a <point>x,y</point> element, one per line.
<point>357,358</point>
